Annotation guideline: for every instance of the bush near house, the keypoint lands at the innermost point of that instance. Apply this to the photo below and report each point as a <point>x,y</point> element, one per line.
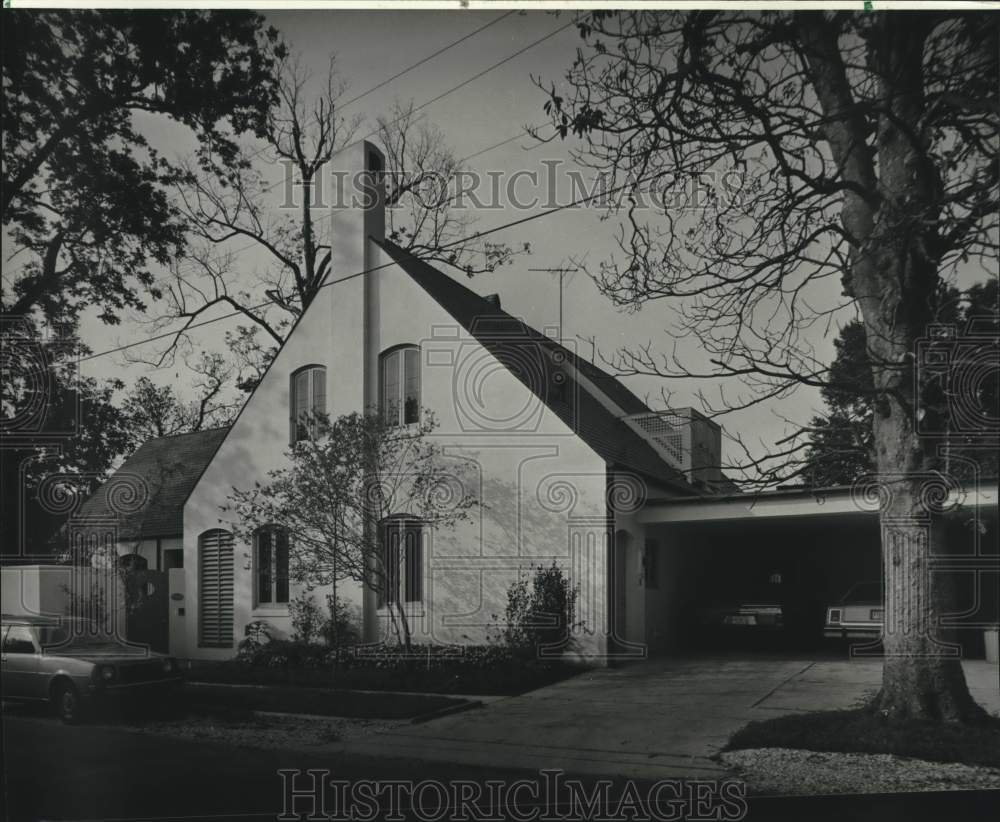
<point>474,670</point>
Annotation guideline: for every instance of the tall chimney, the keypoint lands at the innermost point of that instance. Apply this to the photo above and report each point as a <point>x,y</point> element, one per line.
<point>357,218</point>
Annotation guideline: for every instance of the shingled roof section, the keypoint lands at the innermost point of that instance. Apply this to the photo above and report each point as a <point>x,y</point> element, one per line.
<point>163,472</point>
<point>536,361</point>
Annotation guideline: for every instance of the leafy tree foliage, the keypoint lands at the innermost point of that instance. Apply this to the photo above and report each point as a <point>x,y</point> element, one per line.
<point>61,435</point>
<point>841,441</point>
<point>85,198</point>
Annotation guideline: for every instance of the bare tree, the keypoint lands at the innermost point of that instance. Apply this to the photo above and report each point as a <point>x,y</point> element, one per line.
<point>829,149</point>
<point>302,134</point>
<point>153,411</point>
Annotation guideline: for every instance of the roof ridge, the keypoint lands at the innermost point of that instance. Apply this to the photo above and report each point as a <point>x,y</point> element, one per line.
<point>493,310</point>
<point>590,417</point>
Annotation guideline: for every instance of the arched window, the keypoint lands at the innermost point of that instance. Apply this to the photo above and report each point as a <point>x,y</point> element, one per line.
<point>399,386</point>
<point>270,566</point>
<point>215,589</point>
<point>307,399</point>
<point>402,561</point>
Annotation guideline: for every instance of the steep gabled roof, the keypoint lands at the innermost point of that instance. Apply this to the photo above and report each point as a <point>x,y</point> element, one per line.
<point>573,394</point>
<point>167,469</point>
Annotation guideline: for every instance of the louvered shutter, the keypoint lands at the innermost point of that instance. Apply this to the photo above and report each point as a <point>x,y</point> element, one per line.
<point>215,594</point>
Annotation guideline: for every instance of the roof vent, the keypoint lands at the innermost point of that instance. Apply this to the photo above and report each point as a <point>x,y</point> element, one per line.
<point>494,300</point>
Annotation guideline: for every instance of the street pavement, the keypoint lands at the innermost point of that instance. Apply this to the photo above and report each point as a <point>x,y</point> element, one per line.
<point>661,719</point>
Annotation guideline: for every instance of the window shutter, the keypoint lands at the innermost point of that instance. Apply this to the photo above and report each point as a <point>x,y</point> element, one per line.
<point>215,589</point>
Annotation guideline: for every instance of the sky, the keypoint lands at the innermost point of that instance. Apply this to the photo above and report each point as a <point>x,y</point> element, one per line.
<point>373,46</point>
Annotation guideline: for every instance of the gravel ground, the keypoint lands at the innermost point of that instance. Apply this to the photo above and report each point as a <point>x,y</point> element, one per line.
<point>300,733</point>
<point>786,771</point>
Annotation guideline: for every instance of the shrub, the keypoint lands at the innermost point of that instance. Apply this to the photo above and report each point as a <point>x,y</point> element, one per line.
<point>307,618</point>
<point>542,615</point>
<point>257,634</point>
<point>343,627</point>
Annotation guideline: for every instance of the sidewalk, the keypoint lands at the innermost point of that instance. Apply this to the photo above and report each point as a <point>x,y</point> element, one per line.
<point>658,719</point>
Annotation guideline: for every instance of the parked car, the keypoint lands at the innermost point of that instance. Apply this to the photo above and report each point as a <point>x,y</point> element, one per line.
<point>756,607</point>
<point>858,615</point>
<point>67,663</point>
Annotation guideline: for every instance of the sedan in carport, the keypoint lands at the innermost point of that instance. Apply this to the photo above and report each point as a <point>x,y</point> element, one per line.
<point>752,608</point>
<point>859,613</point>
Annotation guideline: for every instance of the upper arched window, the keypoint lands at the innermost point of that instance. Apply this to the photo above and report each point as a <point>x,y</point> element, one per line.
<point>399,394</point>
<point>308,399</point>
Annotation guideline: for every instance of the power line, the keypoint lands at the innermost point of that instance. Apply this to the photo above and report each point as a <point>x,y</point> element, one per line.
<point>428,58</point>
<point>441,96</point>
<point>479,234</point>
<point>407,70</point>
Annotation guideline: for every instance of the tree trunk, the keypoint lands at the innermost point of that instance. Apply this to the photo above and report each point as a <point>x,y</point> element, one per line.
<point>922,674</point>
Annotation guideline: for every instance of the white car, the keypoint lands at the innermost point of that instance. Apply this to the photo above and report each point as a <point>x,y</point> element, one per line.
<point>66,663</point>
<point>859,614</point>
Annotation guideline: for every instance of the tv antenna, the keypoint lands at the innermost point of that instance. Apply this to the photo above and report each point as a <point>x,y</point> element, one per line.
<point>561,272</point>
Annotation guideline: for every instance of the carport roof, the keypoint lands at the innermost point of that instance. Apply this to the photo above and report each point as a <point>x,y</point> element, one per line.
<point>790,502</point>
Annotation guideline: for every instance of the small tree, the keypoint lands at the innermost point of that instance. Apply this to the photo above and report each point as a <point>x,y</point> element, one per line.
<point>337,491</point>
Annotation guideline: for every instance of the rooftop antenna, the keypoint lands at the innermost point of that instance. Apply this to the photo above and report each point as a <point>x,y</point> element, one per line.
<point>561,272</point>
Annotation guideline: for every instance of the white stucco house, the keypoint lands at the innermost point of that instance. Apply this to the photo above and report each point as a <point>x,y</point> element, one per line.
<point>569,465</point>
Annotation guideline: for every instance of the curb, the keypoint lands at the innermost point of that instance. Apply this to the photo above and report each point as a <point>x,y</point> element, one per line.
<point>451,709</point>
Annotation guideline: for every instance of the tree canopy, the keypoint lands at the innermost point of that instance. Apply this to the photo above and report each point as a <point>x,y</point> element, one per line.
<point>85,195</point>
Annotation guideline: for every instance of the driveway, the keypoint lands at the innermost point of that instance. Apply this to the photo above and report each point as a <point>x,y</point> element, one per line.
<point>656,719</point>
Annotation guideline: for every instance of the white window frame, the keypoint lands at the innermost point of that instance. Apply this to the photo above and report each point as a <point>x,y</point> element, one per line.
<point>404,374</point>
<point>310,372</point>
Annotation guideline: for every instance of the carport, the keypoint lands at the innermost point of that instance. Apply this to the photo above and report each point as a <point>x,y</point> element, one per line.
<point>812,545</point>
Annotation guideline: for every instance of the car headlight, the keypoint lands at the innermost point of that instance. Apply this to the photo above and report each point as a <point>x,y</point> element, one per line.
<point>169,666</point>
<point>108,673</point>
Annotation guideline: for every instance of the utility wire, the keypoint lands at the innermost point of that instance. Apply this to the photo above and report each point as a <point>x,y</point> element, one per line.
<point>479,234</point>
<point>399,74</point>
<point>423,105</point>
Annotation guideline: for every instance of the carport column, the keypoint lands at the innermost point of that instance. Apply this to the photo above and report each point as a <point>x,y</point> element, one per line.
<point>589,540</point>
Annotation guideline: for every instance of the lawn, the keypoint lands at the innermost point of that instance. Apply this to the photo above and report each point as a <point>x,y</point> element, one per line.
<point>863,731</point>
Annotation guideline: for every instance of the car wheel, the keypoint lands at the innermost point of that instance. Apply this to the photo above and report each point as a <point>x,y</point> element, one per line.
<point>67,703</point>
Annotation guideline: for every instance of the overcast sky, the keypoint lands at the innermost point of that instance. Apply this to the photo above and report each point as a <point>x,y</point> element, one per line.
<point>373,46</point>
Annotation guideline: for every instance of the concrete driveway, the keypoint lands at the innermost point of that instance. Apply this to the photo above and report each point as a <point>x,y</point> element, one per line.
<point>656,719</point>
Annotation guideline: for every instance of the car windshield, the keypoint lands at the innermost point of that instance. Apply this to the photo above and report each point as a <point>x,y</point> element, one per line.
<point>864,592</point>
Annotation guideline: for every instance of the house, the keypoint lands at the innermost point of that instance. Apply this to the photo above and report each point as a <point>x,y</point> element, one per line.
<point>569,465</point>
